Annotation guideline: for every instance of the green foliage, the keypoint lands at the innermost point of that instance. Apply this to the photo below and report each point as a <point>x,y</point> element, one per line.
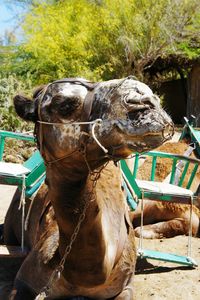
<point>104,39</point>
<point>191,45</point>
<point>10,86</point>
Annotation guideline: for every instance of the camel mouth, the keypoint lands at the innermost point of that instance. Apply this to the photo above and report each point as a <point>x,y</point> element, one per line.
<point>150,121</point>
<point>146,128</point>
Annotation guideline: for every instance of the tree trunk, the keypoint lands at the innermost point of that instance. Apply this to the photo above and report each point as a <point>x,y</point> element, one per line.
<point>193,101</point>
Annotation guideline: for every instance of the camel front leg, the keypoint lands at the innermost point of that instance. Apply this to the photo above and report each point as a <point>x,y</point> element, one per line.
<point>128,292</point>
<point>21,292</point>
<point>167,229</point>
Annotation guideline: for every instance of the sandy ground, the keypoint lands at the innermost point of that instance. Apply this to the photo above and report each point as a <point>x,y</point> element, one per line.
<point>153,280</point>
<point>163,280</point>
<point>6,194</point>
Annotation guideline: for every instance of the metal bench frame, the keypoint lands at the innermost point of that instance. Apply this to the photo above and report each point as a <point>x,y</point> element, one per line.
<point>35,164</point>
<point>130,178</point>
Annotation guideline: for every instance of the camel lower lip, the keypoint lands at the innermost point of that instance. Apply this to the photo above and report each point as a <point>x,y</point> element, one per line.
<point>147,144</point>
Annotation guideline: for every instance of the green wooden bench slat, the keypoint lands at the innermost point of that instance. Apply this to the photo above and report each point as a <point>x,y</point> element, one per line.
<point>2,143</point>
<point>32,189</point>
<point>168,257</point>
<point>193,133</point>
<point>136,164</point>
<point>35,164</point>
<point>184,173</point>
<point>15,135</point>
<point>153,168</point>
<point>173,171</point>
<point>130,178</point>
<point>192,176</point>
<point>168,198</point>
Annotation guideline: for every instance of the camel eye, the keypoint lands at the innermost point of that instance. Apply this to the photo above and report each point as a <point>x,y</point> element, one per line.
<point>64,105</point>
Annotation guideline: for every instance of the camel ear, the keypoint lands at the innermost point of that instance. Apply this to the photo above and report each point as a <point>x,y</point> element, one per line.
<point>25,108</point>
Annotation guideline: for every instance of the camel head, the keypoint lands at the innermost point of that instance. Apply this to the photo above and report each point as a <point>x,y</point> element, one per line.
<point>123,116</point>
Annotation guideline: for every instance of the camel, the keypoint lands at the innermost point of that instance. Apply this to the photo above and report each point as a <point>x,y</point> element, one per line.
<point>166,219</point>
<point>80,238</point>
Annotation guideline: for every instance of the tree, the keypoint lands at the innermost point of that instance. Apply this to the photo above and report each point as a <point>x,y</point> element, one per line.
<point>106,39</point>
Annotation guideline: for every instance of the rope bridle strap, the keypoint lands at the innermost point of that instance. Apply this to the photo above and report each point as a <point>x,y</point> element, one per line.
<point>95,123</point>
<point>58,270</point>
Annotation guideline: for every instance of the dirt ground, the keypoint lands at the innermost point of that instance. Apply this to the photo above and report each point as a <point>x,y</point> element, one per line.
<point>154,279</point>
<point>162,280</point>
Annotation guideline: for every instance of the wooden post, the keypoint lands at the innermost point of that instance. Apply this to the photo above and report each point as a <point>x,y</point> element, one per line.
<point>193,101</point>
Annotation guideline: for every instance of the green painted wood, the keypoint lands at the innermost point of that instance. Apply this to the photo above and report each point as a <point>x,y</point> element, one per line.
<point>2,144</point>
<point>16,135</point>
<point>182,199</point>
<point>8,134</point>
<point>184,172</point>
<point>32,189</point>
<point>10,180</point>
<point>131,202</point>
<point>35,174</point>
<point>173,172</point>
<point>192,176</point>
<point>125,169</point>
<point>193,133</point>
<point>153,168</point>
<point>35,164</point>
<point>156,196</point>
<point>136,164</point>
<point>168,257</point>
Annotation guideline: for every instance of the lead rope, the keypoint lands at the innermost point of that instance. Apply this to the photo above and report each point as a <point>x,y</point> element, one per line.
<point>140,249</point>
<point>22,206</point>
<point>97,122</point>
<point>189,250</point>
<point>57,272</point>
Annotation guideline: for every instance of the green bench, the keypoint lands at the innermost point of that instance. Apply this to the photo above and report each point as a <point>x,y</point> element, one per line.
<point>27,176</point>
<point>163,191</point>
<point>190,132</point>
<point>30,174</point>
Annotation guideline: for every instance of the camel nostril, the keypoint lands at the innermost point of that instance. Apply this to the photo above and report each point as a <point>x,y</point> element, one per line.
<point>168,131</point>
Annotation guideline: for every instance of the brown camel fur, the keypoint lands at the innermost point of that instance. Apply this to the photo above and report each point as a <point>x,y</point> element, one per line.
<point>80,215</point>
<point>165,219</point>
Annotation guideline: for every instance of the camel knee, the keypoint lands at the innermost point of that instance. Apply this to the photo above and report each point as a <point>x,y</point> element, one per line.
<point>126,294</point>
<point>21,292</point>
<point>195,224</point>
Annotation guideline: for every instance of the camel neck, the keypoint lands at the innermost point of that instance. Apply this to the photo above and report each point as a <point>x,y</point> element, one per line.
<point>68,197</point>
<point>88,255</point>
